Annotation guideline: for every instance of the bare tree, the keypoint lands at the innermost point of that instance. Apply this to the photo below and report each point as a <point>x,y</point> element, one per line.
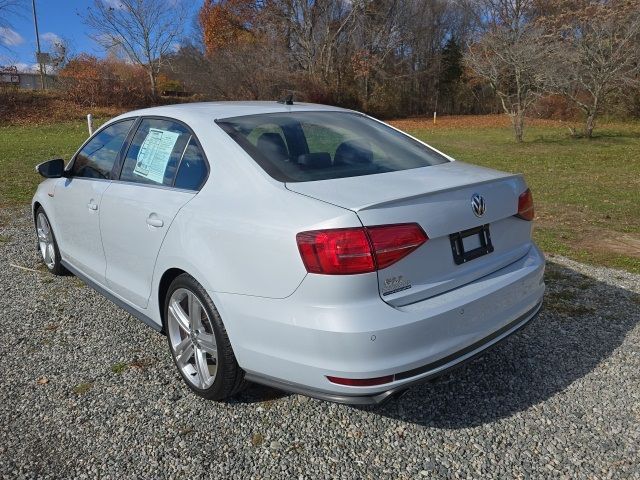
<point>509,55</point>
<point>595,53</point>
<point>145,30</point>
<point>59,51</point>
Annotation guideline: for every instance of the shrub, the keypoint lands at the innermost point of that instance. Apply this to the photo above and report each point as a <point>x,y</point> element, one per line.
<point>89,81</point>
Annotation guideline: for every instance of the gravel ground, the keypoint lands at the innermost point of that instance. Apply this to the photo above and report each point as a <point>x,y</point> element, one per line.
<point>88,391</point>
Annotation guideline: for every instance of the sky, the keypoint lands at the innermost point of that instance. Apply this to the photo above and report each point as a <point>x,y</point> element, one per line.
<point>56,19</point>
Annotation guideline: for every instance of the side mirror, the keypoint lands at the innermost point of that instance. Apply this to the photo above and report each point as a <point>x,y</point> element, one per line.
<point>51,169</point>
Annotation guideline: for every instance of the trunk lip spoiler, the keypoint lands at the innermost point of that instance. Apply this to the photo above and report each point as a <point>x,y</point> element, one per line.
<point>386,203</point>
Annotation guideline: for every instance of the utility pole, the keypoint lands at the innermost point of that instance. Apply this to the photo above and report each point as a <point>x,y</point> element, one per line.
<point>39,53</point>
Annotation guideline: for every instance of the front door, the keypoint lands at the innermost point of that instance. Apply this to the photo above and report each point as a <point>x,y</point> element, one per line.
<point>77,199</point>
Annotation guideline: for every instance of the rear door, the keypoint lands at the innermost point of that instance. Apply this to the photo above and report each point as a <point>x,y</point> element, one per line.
<point>163,169</point>
<point>78,196</point>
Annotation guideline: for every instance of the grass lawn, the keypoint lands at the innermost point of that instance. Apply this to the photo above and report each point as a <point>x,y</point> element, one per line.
<point>23,147</point>
<point>586,191</point>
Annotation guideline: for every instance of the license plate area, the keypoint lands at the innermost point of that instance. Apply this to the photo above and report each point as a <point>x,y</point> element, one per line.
<point>470,244</point>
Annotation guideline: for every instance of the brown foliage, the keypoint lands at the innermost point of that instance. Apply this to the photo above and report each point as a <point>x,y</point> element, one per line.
<point>89,81</point>
<point>28,107</point>
<point>225,23</point>
<point>554,106</point>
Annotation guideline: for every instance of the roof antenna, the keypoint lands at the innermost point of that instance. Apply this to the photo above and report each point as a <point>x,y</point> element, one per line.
<point>288,100</point>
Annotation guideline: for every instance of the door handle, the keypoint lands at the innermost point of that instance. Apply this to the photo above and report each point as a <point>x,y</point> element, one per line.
<point>92,206</point>
<point>154,221</point>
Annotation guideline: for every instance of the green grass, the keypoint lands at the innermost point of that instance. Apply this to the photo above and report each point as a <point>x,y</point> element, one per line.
<point>82,388</point>
<point>586,191</point>
<point>119,367</point>
<point>23,147</point>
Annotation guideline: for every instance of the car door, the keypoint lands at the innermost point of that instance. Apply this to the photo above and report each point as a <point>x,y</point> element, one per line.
<point>163,169</point>
<point>77,199</point>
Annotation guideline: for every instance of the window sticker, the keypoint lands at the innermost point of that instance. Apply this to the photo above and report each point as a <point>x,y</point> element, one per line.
<point>155,153</point>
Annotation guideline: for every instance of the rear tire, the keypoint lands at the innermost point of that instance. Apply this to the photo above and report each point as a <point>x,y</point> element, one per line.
<point>198,341</point>
<point>47,244</point>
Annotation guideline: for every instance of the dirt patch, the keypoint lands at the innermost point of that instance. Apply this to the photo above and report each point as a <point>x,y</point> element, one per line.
<point>466,121</point>
<point>622,243</point>
<point>591,238</point>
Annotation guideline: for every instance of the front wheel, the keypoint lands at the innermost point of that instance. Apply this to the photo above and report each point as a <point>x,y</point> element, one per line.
<point>198,341</point>
<point>47,244</point>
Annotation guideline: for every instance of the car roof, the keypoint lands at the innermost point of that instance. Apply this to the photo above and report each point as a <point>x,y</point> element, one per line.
<point>217,110</point>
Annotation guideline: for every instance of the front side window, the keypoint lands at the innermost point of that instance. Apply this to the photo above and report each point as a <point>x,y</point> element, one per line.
<point>97,157</point>
<point>164,152</point>
<point>307,146</point>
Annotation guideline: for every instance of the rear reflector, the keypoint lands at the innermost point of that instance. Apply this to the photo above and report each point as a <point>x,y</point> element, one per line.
<point>348,251</point>
<point>525,205</point>
<point>361,382</point>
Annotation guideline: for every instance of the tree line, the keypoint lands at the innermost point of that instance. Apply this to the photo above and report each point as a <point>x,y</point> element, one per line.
<point>390,58</point>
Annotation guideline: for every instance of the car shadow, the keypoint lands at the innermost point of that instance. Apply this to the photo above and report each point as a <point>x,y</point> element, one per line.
<point>581,323</point>
<point>255,393</point>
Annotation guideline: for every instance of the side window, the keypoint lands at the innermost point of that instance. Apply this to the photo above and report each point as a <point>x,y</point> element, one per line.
<point>155,152</point>
<point>193,168</point>
<point>97,157</point>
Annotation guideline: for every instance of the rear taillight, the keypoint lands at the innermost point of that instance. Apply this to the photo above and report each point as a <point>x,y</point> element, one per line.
<point>347,251</point>
<point>341,251</point>
<point>525,205</point>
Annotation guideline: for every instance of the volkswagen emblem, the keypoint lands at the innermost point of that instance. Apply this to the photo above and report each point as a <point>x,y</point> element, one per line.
<point>477,205</point>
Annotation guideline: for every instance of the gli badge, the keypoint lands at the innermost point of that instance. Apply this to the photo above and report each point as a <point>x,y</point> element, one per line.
<point>394,285</point>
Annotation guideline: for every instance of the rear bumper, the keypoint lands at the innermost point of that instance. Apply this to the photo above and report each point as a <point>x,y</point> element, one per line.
<point>419,375</point>
<point>323,330</point>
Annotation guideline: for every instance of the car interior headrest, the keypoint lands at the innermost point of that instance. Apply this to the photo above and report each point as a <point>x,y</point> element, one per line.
<point>315,160</point>
<point>271,144</point>
<point>353,152</point>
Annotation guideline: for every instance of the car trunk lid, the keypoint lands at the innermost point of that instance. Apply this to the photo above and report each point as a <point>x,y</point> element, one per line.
<point>439,199</point>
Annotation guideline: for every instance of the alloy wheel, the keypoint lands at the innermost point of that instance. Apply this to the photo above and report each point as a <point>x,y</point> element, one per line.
<point>45,241</point>
<point>191,337</point>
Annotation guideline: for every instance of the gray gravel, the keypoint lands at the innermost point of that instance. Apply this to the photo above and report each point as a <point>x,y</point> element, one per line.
<point>88,391</point>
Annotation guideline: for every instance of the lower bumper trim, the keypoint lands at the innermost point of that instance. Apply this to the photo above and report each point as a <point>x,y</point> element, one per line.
<point>450,362</point>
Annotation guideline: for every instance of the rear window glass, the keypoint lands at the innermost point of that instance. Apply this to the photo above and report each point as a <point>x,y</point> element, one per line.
<point>307,146</point>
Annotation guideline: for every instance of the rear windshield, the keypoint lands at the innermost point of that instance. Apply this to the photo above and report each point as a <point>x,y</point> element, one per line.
<point>307,146</point>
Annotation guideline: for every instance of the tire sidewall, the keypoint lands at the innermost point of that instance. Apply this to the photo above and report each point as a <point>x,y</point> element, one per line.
<point>57,269</point>
<point>187,282</point>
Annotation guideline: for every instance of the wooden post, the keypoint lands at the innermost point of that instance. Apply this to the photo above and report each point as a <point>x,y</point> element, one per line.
<point>90,123</point>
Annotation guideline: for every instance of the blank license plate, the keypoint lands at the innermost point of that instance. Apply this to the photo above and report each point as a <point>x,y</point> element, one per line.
<point>470,244</point>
